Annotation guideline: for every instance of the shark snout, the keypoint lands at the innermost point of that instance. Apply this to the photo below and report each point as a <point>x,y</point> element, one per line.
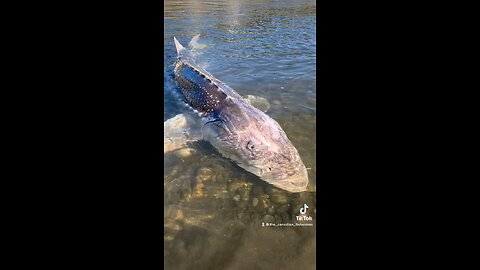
<point>296,182</point>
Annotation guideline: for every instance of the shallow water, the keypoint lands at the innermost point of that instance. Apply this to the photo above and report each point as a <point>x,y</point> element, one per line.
<point>214,210</point>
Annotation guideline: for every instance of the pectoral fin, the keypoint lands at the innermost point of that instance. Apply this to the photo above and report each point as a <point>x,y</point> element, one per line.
<point>260,103</point>
<point>178,131</point>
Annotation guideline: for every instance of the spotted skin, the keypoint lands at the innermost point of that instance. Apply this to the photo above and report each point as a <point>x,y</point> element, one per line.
<point>199,91</point>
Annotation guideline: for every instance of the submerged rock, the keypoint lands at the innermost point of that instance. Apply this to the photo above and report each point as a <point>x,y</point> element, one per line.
<point>277,196</point>
<point>234,185</point>
<point>198,190</point>
<point>204,174</point>
<point>268,218</point>
<point>254,202</point>
<point>173,212</point>
<point>246,195</point>
<point>172,226</point>
<point>265,203</point>
<point>184,152</point>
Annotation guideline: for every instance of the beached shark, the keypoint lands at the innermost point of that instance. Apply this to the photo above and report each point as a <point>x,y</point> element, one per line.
<point>233,126</point>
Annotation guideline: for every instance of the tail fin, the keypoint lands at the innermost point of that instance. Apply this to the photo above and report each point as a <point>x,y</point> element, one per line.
<point>178,46</point>
<point>193,44</point>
